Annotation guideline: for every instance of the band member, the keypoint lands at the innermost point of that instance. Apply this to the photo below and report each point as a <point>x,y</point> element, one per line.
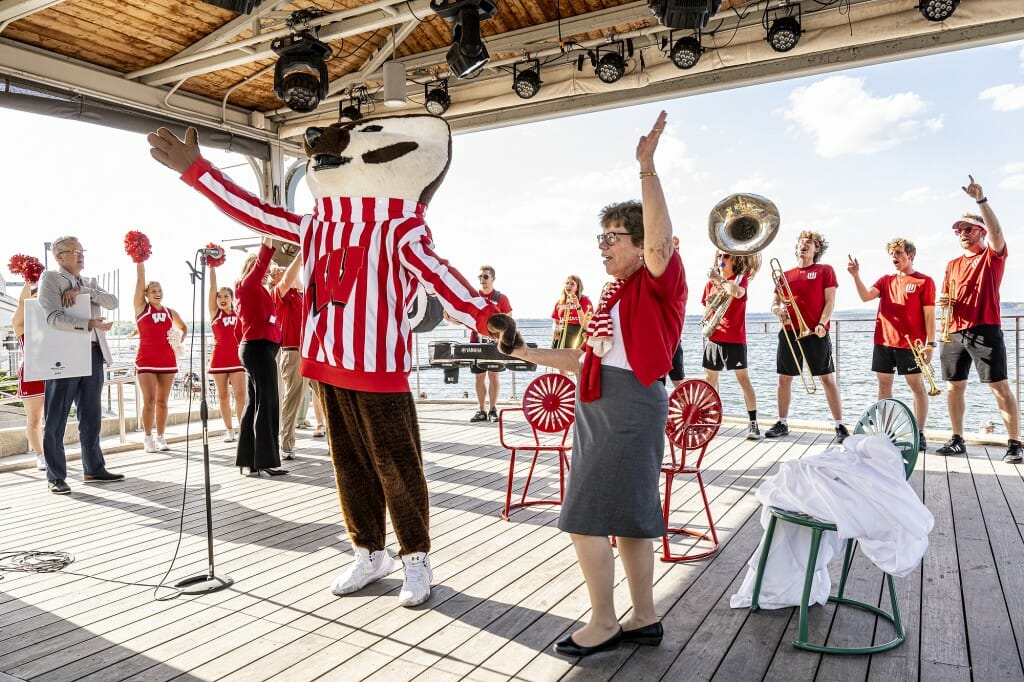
<point>974,324</point>
<point>486,381</point>
<point>813,285</point>
<point>726,348</point>
<point>906,307</point>
<point>570,314</point>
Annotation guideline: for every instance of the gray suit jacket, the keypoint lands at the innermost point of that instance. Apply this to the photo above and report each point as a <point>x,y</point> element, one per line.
<point>53,284</point>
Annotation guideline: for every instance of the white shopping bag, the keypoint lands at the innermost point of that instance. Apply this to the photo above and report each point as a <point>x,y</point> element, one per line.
<point>54,353</point>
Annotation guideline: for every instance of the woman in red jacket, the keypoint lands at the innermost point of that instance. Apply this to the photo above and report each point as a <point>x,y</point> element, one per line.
<point>258,448</point>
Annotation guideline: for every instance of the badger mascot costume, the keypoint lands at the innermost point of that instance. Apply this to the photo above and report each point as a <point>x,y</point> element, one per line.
<point>366,250</point>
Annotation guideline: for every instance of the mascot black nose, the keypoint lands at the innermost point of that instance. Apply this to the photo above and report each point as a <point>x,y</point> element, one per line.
<point>311,137</point>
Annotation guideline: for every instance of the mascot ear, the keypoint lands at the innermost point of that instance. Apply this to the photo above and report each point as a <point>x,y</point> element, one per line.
<point>311,137</point>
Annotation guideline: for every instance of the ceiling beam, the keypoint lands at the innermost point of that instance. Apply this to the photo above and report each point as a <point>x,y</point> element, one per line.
<point>239,24</point>
<point>12,10</point>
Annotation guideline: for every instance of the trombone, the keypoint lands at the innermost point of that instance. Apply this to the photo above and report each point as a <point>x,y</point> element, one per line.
<point>917,348</point>
<point>786,299</point>
<point>949,288</point>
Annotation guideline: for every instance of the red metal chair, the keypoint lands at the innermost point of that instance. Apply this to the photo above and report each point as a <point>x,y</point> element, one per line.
<point>694,417</point>
<point>548,407</point>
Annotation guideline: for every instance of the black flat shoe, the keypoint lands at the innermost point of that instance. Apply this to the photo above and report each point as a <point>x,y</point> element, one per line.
<point>649,635</point>
<point>569,647</point>
<point>276,472</point>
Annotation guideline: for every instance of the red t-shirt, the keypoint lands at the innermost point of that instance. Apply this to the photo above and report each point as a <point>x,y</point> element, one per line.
<point>583,307</point>
<point>651,312</point>
<point>257,314</point>
<point>901,303</point>
<point>733,327</point>
<point>976,295</point>
<point>498,300</point>
<point>808,286</point>
<point>290,315</point>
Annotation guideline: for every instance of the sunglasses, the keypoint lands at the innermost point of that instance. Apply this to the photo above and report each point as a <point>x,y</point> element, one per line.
<point>725,256</point>
<point>483,277</point>
<point>964,230</point>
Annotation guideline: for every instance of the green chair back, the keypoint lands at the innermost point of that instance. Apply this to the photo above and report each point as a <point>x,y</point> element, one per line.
<point>894,419</point>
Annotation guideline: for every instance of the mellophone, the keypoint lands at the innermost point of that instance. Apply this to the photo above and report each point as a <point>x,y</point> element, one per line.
<point>450,355</point>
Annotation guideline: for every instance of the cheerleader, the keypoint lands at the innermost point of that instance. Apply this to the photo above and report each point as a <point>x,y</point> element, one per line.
<point>30,392</point>
<point>156,363</point>
<point>225,365</point>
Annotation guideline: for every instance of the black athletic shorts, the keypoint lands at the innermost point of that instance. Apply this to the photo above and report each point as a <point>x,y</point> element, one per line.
<point>719,356</point>
<point>817,350</point>
<point>677,373</point>
<point>984,346</point>
<point>886,360</point>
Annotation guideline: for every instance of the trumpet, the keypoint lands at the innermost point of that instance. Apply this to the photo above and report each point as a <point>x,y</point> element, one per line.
<point>785,295</point>
<point>740,225</point>
<point>917,348</point>
<point>947,310</point>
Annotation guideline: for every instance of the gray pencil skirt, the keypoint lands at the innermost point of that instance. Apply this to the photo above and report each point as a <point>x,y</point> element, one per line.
<point>618,443</point>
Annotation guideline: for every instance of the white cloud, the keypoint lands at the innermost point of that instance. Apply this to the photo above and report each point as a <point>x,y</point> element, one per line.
<point>917,195</point>
<point>1004,97</point>
<point>1013,181</point>
<point>1017,167</point>
<point>846,119</point>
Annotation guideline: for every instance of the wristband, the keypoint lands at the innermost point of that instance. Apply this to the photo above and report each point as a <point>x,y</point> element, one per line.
<point>983,200</point>
<point>648,174</point>
<point>820,324</point>
<point>931,344</point>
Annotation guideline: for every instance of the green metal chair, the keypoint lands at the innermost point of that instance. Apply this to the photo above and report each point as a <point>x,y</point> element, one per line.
<point>894,419</point>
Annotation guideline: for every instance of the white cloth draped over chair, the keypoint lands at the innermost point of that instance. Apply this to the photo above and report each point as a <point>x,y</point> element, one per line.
<point>861,487</point>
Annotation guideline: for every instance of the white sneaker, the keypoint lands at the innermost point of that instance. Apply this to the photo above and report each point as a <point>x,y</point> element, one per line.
<point>149,444</point>
<point>416,585</point>
<point>161,444</point>
<point>229,436</point>
<point>40,463</point>
<point>368,568</point>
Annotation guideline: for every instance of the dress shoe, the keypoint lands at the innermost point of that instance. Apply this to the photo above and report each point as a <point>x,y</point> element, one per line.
<point>649,635</point>
<point>103,477</point>
<point>59,488</point>
<point>569,647</point>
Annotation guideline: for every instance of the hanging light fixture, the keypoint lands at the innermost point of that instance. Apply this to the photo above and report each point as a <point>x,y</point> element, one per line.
<point>611,65</point>
<point>394,84</point>
<point>938,10</point>
<point>467,54</point>
<point>300,75</point>
<point>684,14</point>
<point>526,78</point>
<point>784,32</point>
<point>358,97</point>
<point>436,99</point>
<point>686,51</point>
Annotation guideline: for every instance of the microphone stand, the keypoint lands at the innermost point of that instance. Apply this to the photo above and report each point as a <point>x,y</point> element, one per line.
<point>208,582</point>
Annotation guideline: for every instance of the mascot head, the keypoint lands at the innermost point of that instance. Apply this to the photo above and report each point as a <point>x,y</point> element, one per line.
<point>404,157</point>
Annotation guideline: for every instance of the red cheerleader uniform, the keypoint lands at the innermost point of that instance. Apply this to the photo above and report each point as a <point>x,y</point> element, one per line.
<point>28,389</point>
<point>155,354</point>
<point>224,358</point>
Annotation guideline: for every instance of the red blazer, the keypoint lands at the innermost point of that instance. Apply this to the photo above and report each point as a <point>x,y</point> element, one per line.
<point>257,314</point>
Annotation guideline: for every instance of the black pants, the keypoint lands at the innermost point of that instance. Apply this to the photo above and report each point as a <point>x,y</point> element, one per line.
<point>258,447</point>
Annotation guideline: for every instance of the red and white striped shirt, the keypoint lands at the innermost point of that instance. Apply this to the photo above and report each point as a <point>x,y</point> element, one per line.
<point>364,260</point>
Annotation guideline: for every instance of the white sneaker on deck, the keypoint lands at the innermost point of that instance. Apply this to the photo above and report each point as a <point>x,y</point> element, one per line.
<point>161,444</point>
<point>368,568</point>
<point>40,463</point>
<point>416,585</point>
<point>149,444</point>
<point>229,436</point>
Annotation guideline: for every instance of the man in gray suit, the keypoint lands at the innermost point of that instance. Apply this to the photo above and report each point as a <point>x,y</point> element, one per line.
<point>58,291</point>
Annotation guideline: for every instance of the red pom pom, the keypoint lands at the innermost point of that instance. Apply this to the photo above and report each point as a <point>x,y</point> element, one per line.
<point>212,262</point>
<point>16,263</point>
<point>137,246</point>
<point>32,269</point>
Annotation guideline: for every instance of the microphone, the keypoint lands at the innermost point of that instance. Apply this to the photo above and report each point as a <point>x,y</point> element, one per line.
<point>214,252</point>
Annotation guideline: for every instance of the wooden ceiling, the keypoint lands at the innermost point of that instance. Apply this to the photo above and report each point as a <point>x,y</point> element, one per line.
<point>193,60</point>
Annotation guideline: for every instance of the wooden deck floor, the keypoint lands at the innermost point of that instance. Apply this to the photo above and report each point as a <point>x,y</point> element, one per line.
<point>504,592</point>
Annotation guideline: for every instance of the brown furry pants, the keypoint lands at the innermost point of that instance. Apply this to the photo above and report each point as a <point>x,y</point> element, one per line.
<point>378,466</point>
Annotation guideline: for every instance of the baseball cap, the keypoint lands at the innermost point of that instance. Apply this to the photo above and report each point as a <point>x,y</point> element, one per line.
<point>969,222</point>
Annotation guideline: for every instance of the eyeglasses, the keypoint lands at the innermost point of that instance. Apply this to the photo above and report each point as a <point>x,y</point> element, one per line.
<point>483,277</point>
<point>610,238</point>
<point>77,252</point>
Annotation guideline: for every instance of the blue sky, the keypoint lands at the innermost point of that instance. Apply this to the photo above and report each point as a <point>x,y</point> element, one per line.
<point>862,155</point>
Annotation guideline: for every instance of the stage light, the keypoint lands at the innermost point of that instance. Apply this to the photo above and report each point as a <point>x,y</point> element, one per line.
<point>467,54</point>
<point>436,99</point>
<point>526,78</point>
<point>686,52</point>
<point>300,76</point>
<point>684,14</point>
<point>237,6</point>
<point>784,34</point>
<point>938,10</point>
<point>611,65</point>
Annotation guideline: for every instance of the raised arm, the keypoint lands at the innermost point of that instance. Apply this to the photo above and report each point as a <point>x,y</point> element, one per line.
<point>289,277</point>
<point>211,299</point>
<point>996,238</point>
<point>139,297</point>
<point>853,267</point>
<point>657,225</point>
